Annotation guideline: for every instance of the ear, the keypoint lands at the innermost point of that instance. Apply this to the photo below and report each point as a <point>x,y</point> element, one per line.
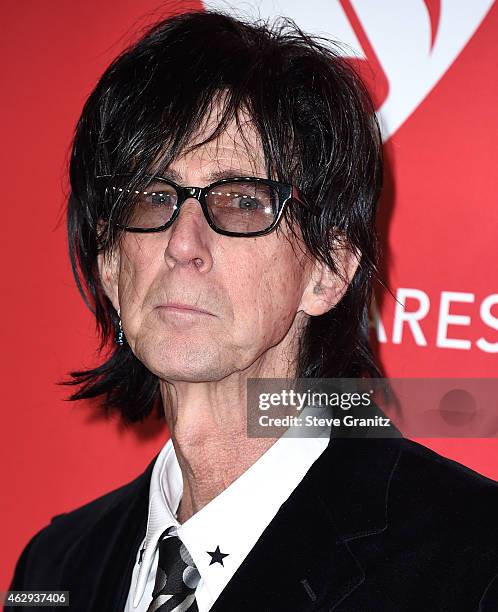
<point>108,264</point>
<point>325,288</point>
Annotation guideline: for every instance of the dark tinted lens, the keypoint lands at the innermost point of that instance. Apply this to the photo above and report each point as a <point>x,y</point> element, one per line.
<point>243,207</point>
<point>149,207</point>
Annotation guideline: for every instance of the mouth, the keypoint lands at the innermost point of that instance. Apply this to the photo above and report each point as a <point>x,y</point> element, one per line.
<point>186,309</point>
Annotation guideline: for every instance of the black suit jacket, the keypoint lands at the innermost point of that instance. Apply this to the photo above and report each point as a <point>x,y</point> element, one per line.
<point>380,525</point>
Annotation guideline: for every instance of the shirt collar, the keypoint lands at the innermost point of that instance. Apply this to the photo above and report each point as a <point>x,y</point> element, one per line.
<point>235,519</point>
<point>165,493</point>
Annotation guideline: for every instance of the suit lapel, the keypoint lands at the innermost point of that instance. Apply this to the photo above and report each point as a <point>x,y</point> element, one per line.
<point>99,565</point>
<point>302,560</point>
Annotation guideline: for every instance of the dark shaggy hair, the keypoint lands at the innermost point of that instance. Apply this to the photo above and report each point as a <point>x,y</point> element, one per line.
<point>318,131</point>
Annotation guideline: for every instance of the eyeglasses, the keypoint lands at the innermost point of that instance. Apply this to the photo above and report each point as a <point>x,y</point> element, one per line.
<point>240,206</point>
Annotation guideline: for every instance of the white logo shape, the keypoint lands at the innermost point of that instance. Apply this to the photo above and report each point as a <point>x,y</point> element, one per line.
<point>409,44</point>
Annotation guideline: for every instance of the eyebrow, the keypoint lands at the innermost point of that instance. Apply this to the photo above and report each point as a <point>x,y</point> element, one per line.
<point>216,175</point>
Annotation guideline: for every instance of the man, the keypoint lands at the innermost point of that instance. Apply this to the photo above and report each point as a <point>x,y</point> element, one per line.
<point>224,184</point>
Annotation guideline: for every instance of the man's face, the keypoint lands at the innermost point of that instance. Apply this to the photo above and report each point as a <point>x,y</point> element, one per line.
<point>252,288</point>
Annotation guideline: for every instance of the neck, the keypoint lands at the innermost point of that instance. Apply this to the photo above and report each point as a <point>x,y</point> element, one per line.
<point>208,426</point>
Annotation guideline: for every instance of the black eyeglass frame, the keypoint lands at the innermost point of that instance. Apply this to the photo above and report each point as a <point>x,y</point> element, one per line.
<point>286,194</point>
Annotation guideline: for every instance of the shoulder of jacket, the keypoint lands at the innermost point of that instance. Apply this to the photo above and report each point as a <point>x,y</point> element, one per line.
<point>421,461</point>
<point>66,527</point>
<point>426,479</point>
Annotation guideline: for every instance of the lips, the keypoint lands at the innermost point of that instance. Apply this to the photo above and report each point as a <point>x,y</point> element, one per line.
<point>186,308</point>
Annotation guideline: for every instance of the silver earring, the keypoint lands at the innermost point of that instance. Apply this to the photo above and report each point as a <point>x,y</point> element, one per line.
<point>120,337</point>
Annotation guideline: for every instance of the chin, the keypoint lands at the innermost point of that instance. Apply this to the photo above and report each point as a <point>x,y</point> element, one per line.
<point>184,361</point>
<point>199,373</point>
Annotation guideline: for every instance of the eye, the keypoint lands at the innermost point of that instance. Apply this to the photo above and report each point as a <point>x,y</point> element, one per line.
<point>160,198</point>
<point>248,203</point>
<point>243,198</point>
<point>158,195</point>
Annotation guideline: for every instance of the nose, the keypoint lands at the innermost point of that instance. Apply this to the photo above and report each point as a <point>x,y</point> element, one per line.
<point>188,243</point>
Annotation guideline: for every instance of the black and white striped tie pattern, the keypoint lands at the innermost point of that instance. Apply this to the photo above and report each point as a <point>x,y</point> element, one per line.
<point>176,577</point>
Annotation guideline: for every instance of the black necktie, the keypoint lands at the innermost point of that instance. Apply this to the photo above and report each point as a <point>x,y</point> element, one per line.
<point>176,576</point>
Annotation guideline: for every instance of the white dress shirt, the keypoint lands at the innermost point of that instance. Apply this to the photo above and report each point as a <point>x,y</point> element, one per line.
<point>232,522</point>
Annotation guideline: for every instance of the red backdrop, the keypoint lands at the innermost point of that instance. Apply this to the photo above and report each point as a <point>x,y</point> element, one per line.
<point>439,217</point>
